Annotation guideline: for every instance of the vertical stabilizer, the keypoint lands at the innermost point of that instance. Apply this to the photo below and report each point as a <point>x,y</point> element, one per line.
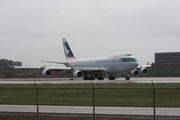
<point>67,50</point>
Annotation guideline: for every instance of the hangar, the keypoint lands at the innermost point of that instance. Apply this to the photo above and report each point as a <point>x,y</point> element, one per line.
<point>167,58</point>
<point>4,62</point>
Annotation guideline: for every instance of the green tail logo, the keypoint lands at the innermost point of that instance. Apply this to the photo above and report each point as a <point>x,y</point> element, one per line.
<point>67,50</point>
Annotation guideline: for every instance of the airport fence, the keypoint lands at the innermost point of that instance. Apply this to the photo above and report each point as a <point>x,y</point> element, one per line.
<point>93,95</point>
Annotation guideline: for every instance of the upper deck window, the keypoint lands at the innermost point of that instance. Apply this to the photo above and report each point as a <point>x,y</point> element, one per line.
<point>128,54</point>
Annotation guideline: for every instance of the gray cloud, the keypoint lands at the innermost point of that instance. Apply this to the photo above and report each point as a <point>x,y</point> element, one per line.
<point>31,31</point>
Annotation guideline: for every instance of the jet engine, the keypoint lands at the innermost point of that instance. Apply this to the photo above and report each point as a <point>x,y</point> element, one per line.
<point>143,71</point>
<point>134,73</point>
<point>46,72</point>
<point>77,73</point>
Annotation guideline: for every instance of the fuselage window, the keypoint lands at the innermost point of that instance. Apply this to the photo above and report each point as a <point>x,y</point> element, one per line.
<point>128,54</point>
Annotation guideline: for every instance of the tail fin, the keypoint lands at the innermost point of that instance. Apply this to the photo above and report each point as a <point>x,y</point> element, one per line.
<point>67,50</point>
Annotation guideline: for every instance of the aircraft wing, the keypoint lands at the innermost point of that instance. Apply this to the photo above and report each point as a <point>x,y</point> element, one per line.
<point>57,68</point>
<point>65,63</point>
<point>89,69</point>
<point>47,71</point>
<point>25,67</point>
<point>86,69</point>
<point>68,69</point>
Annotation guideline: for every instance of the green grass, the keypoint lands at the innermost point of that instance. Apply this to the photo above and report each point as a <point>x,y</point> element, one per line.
<point>106,94</point>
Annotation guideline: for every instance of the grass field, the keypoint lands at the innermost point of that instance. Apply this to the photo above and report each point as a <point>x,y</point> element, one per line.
<point>106,94</point>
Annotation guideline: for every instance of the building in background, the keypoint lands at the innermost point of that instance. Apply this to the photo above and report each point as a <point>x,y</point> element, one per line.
<point>172,58</point>
<point>6,62</point>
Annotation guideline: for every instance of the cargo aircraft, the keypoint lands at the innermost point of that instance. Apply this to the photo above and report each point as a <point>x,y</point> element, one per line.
<point>98,67</point>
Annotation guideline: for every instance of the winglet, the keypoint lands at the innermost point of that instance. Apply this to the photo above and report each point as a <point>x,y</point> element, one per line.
<point>67,50</point>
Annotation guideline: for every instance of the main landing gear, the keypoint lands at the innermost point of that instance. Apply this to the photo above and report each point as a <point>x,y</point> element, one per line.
<point>100,78</point>
<point>92,78</point>
<point>111,77</point>
<point>127,77</point>
<point>89,78</point>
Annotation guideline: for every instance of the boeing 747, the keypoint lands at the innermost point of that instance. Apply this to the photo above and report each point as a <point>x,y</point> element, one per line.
<point>98,67</point>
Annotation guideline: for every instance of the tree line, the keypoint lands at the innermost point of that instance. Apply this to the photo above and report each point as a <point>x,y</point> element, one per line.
<point>164,70</point>
<point>157,70</point>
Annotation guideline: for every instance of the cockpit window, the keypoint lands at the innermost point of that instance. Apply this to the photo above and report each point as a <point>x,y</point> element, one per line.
<point>127,60</point>
<point>128,54</point>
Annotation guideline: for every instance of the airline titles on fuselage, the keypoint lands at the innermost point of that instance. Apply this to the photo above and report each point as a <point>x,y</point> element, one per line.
<point>107,61</point>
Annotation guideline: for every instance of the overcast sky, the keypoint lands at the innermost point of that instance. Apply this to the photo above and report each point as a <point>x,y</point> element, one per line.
<point>32,30</point>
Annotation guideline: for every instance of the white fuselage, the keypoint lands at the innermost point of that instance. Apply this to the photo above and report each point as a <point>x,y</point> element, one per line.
<point>117,63</point>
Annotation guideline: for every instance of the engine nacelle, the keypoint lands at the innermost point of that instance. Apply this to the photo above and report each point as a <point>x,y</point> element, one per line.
<point>143,71</point>
<point>46,72</point>
<point>77,73</point>
<point>134,73</point>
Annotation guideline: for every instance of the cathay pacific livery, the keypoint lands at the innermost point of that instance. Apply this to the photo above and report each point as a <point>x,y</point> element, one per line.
<point>98,67</point>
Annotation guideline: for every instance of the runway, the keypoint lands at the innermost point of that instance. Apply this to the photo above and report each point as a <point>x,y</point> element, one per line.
<point>80,80</point>
<point>89,110</point>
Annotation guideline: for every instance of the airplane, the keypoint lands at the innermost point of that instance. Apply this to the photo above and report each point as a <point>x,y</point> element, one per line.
<point>98,67</point>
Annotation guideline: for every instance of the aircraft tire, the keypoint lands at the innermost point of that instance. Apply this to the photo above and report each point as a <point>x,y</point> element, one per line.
<point>89,78</point>
<point>100,78</point>
<point>127,78</point>
<point>111,78</point>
